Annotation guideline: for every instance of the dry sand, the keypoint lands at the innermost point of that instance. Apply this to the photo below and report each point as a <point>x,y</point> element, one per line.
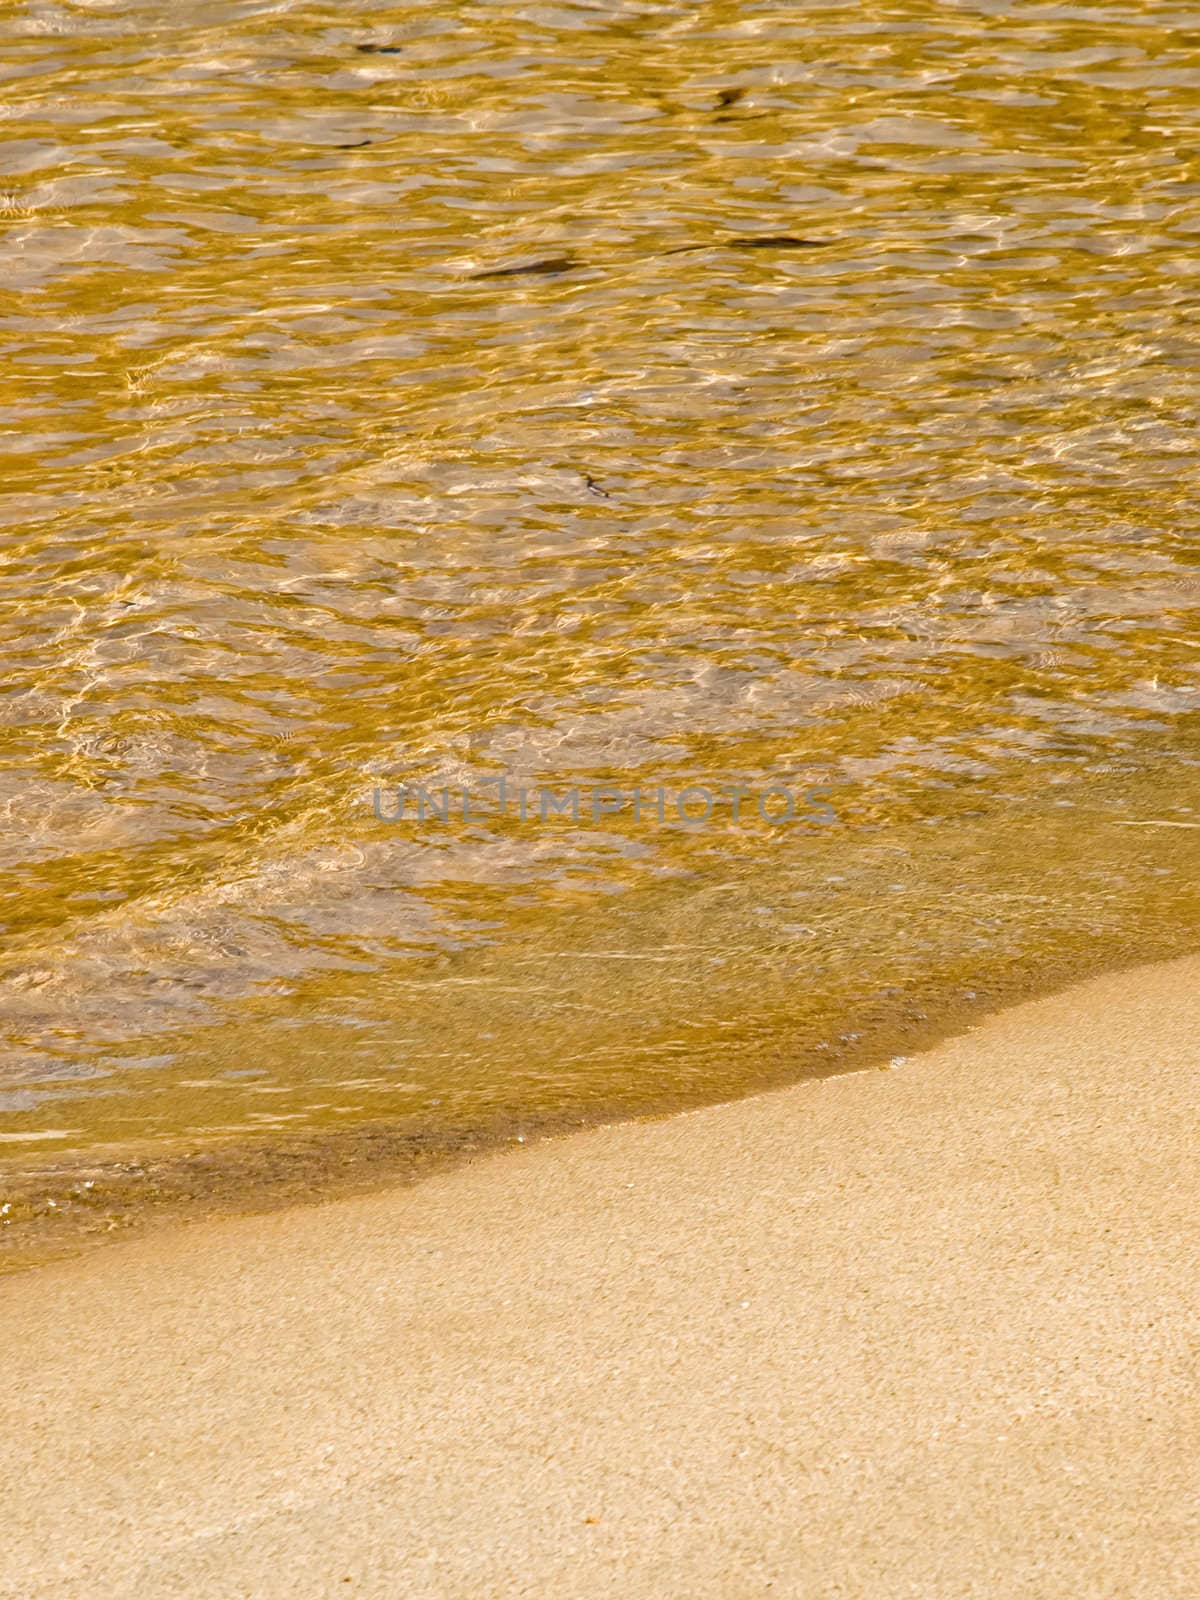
<point>928,1332</point>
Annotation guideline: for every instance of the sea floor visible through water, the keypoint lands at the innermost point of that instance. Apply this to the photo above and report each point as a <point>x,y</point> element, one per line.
<point>646,1013</point>
<point>630,395</point>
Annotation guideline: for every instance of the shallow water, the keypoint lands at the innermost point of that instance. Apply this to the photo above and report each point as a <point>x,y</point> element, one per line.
<point>296,505</point>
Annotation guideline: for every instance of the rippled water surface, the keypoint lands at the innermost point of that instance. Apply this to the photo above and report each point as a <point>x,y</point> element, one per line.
<point>302,494</point>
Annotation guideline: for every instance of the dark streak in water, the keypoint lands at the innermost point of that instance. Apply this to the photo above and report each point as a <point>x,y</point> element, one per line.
<point>776,241</point>
<point>551,266</point>
<point>547,268</point>
<point>762,241</point>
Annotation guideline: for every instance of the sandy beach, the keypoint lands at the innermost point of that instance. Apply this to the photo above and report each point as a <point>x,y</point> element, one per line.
<point>928,1332</point>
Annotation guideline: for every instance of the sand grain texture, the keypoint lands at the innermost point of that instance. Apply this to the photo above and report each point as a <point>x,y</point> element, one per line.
<point>929,1332</point>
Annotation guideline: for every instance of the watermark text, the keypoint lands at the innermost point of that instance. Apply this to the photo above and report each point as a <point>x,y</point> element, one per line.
<point>693,806</point>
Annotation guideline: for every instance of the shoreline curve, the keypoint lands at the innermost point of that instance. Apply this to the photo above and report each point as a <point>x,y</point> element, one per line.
<point>928,1331</point>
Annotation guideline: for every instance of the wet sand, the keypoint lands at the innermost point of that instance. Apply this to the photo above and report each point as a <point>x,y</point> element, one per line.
<point>924,1332</point>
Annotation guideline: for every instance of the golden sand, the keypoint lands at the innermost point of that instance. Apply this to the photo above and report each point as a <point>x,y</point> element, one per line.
<point>927,1332</point>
